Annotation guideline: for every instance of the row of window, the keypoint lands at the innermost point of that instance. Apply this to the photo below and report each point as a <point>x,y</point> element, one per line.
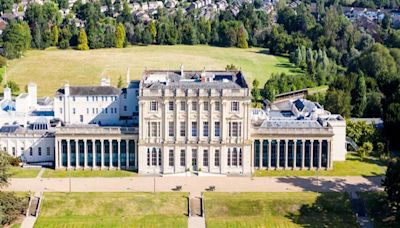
<point>96,110</point>
<point>194,105</point>
<point>94,98</point>
<point>154,157</point>
<point>22,149</point>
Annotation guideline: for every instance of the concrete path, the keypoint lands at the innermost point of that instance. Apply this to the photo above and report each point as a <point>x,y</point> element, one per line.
<point>29,220</point>
<point>40,173</point>
<point>196,222</point>
<point>196,185</point>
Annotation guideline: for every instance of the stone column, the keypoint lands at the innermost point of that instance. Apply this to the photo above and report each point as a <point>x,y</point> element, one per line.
<point>111,152</point>
<point>303,153</point>
<point>76,154</point>
<point>312,154</point>
<point>278,147</point>
<point>269,153</point>
<point>127,154</point>
<point>68,154</point>
<point>93,154</point>
<point>260,151</point>
<point>136,153</point>
<point>119,153</point>
<point>329,163</point>
<point>320,154</point>
<point>102,154</point>
<point>294,148</point>
<point>286,153</point>
<point>56,165</point>
<point>86,154</point>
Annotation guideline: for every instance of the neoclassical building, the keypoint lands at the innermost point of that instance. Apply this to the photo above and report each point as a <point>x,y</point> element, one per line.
<point>177,121</point>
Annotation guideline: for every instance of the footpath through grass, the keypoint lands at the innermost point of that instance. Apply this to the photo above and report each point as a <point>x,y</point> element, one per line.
<point>353,166</point>
<point>306,209</point>
<point>19,172</point>
<point>113,210</point>
<point>52,67</point>
<point>51,173</point>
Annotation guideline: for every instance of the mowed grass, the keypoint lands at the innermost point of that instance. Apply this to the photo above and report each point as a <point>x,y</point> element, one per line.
<point>19,172</point>
<point>113,210</point>
<point>51,173</point>
<point>51,68</point>
<point>353,166</point>
<point>305,209</point>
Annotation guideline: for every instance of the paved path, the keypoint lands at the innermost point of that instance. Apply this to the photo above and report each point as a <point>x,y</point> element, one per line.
<point>196,185</point>
<point>29,220</point>
<point>40,173</point>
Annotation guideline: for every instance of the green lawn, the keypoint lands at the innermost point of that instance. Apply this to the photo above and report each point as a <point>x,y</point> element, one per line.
<point>305,209</point>
<point>353,166</point>
<point>113,210</point>
<point>377,209</point>
<point>19,172</point>
<point>51,68</point>
<point>51,173</point>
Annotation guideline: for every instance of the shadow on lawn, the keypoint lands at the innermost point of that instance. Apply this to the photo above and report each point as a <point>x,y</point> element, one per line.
<point>336,184</point>
<point>329,210</point>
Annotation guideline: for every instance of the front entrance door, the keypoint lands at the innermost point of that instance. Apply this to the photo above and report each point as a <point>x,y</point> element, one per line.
<point>194,160</point>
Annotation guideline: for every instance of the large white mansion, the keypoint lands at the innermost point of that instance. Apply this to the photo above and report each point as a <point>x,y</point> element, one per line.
<point>170,122</point>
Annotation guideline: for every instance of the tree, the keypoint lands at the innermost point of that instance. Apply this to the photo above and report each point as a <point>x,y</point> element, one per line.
<point>392,187</point>
<point>255,92</point>
<point>16,39</point>
<point>4,166</point>
<point>55,35</point>
<point>65,37</point>
<point>120,36</point>
<point>242,38</point>
<point>338,101</point>
<point>231,67</point>
<point>82,40</point>
<point>392,122</point>
<point>364,150</point>
<point>120,82</point>
<point>13,86</point>
<point>153,30</point>
<point>359,97</point>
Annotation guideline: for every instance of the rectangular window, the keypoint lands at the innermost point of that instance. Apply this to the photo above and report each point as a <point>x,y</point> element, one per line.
<point>205,105</point>
<point>217,129</point>
<point>235,129</point>
<point>81,118</point>
<point>125,108</point>
<point>217,106</point>
<point>153,105</point>
<point>13,151</point>
<point>60,110</point>
<point>234,157</point>
<point>154,129</point>
<point>194,129</point>
<point>183,105</point>
<point>107,110</point>
<point>235,106</point>
<point>40,151</point>
<point>205,158</point>
<point>171,129</point>
<point>171,106</point>
<point>48,151</point>
<point>240,157</point>
<point>216,158</point>
<point>73,98</point>
<point>159,157</point>
<point>205,129</point>
<point>30,151</point>
<point>87,98</point>
<point>183,129</point>
<point>124,95</point>
<point>183,158</point>
<point>148,157</point>
<point>229,157</point>
<point>87,110</point>
<point>154,157</point>
<point>194,106</point>
<point>171,157</point>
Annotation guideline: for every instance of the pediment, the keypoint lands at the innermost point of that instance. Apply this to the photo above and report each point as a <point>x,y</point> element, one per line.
<point>153,116</point>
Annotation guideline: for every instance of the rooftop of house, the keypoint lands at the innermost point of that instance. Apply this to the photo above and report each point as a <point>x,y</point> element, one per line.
<point>90,91</point>
<point>158,79</point>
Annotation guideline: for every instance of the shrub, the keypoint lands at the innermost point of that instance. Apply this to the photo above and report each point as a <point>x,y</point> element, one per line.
<point>3,61</point>
<point>11,207</point>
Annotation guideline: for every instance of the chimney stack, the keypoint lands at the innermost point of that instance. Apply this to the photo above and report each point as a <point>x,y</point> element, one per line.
<point>7,94</point>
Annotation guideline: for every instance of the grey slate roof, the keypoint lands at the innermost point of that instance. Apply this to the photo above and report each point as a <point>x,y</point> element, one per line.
<point>291,124</point>
<point>90,91</point>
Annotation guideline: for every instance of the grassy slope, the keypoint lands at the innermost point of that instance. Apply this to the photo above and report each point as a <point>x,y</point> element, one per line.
<point>113,210</point>
<point>51,173</point>
<point>18,172</point>
<point>51,68</point>
<point>353,166</point>
<point>278,210</point>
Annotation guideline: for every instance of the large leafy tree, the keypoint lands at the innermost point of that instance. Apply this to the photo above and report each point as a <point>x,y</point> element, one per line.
<point>338,101</point>
<point>392,187</point>
<point>359,97</point>
<point>16,39</point>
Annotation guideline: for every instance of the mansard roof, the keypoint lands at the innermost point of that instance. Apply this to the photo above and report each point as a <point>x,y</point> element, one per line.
<point>90,91</point>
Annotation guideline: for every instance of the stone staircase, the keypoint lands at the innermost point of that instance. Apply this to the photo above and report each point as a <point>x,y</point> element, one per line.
<point>196,214</point>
